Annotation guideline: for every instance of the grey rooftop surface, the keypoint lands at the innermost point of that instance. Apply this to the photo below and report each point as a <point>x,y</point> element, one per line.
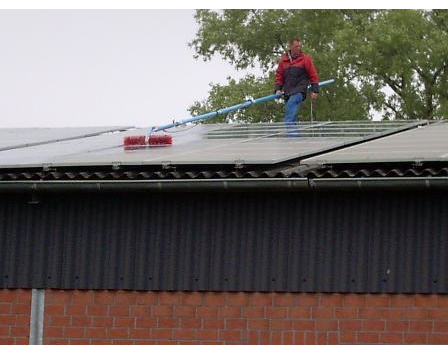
<point>207,144</point>
<point>12,138</point>
<point>427,143</point>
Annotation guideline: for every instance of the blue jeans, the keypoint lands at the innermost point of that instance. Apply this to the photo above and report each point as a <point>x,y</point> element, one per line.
<point>291,110</point>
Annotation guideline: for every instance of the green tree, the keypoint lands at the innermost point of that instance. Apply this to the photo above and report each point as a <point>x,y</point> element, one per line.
<point>365,50</point>
<point>406,51</point>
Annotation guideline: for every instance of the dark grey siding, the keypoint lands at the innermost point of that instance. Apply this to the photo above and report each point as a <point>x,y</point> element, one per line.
<point>312,242</point>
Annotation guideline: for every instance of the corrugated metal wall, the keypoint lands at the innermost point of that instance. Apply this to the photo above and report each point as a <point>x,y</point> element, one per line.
<point>312,242</point>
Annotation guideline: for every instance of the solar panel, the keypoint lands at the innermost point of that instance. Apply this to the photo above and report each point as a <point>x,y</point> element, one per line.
<point>205,144</point>
<point>426,143</point>
<point>319,129</point>
<point>12,138</point>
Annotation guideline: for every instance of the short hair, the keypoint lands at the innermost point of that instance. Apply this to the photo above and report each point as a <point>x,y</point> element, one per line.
<point>293,39</point>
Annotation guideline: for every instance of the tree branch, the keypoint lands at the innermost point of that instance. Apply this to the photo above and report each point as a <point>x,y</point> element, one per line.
<point>393,85</point>
<point>389,105</point>
<point>438,72</point>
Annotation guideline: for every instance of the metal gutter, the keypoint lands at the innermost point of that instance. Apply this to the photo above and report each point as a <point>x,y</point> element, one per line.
<point>297,184</point>
<point>153,185</point>
<point>390,183</point>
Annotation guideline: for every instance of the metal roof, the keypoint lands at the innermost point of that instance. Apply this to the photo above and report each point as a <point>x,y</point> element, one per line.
<point>203,144</point>
<point>428,143</point>
<point>338,241</point>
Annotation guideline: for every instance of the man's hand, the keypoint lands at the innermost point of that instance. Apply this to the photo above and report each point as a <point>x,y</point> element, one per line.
<point>280,100</point>
<point>314,95</point>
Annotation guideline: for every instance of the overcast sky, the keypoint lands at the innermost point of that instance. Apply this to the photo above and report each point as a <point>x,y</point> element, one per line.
<point>100,67</point>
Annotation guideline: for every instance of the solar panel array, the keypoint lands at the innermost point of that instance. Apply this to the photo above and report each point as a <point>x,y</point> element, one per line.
<point>426,143</point>
<point>192,145</point>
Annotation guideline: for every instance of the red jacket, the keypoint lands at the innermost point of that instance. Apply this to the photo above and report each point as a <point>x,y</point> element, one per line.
<point>294,76</point>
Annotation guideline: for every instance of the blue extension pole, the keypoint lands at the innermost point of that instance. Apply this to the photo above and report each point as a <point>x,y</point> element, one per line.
<point>229,109</point>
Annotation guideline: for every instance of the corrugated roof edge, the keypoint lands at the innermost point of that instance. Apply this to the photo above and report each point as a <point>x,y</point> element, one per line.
<point>428,169</point>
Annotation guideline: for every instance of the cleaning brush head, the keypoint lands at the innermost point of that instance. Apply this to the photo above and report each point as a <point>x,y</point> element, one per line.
<point>153,140</point>
<point>158,139</point>
<point>134,140</point>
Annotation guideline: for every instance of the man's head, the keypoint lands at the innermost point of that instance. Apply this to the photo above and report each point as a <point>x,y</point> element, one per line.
<point>295,45</point>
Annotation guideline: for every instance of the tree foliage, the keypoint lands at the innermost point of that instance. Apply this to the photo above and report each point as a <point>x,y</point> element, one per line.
<point>369,52</point>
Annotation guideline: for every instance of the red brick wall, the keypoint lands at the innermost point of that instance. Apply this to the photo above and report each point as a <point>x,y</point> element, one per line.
<point>122,317</point>
<point>15,307</point>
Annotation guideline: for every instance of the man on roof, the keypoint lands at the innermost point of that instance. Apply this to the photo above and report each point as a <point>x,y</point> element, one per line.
<point>294,73</point>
